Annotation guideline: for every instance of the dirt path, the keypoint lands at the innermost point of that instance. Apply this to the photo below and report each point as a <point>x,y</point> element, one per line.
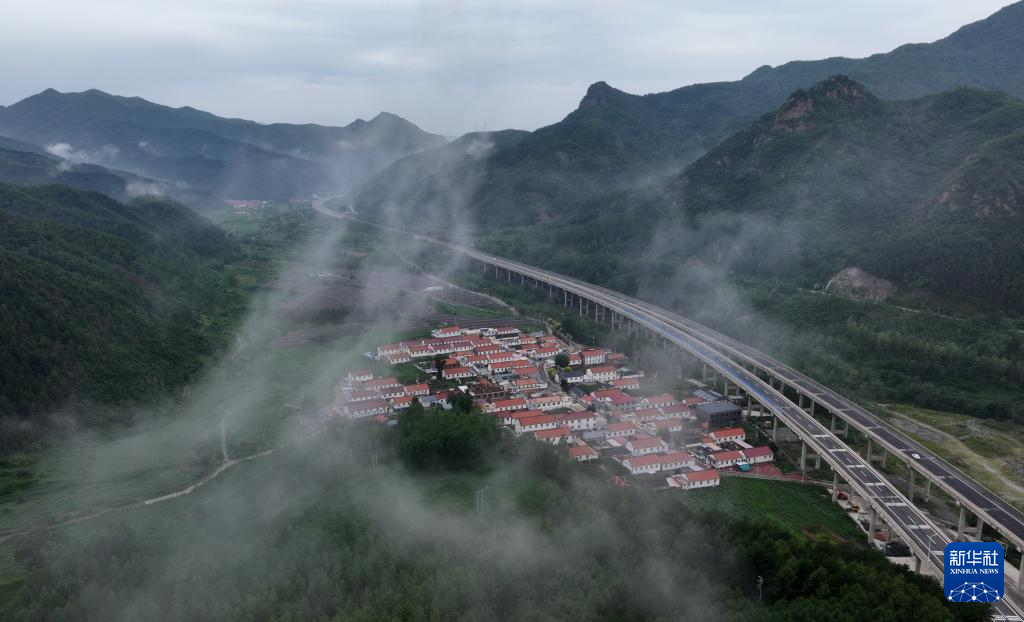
<point>187,490</point>
<point>958,451</point>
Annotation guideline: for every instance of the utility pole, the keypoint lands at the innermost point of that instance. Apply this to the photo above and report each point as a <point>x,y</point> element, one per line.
<point>760,582</point>
<point>480,500</point>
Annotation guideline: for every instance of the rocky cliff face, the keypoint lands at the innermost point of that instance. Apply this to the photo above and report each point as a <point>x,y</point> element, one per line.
<point>855,282</point>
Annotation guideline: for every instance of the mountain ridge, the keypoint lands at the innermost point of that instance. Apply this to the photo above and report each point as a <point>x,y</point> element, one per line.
<point>208,154</point>
<point>615,140</point>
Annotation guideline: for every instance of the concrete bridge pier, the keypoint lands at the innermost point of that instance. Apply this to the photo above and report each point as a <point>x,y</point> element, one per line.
<point>927,487</point>
<point>803,458</point>
<point>913,473</point>
<point>846,426</point>
<point>872,523</point>
<point>835,485</point>
<point>961,525</point>
<point>1020,570</point>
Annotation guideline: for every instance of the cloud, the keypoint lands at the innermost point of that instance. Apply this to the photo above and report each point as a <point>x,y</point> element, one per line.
<point>104,155</point>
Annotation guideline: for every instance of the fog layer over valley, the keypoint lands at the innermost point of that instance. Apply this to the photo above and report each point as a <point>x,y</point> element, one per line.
<point>242,499</point>
<point>182,294</point>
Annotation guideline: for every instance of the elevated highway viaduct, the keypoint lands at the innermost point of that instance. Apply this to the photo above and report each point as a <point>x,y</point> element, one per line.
<point>798,401</point>
<point>774,386</point>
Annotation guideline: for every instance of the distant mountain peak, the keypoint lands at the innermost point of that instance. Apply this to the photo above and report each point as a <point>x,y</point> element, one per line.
<point>793,115</point>
<point>600,93</point>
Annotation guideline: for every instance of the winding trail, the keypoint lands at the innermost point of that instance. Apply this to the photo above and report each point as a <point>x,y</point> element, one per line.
<point>187,490</point>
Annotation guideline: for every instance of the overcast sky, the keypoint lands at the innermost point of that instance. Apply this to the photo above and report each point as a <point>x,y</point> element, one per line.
<point>447,66</point>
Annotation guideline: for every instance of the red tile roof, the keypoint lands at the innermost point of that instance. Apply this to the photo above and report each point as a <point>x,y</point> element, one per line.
<point>720,456</point>
<point>647,443</point>
<point>538,420</point>
<point>703,476</point>
<point>729,432</point>
<point>581,450</point>
<point>757,452</point>
<point>555,433</point>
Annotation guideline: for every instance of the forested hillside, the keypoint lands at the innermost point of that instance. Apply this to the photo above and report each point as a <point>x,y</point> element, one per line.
<point>25,164</point>
<point>103,301</point>
<point>616,140</point>
<point>554,541</point>
<point>924,192</point>
<point>201,153</point>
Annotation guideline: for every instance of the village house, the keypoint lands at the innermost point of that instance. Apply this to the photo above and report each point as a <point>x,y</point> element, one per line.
<point>556,436</point>
<point>614,397</point>
<point>603,373</point>
<point>402,402</point>
<point>721,459</point>
<point>487,390</point>
<point>526,384</point>
<point>757,455</point>
<point>550,402</point>
<point>546,352</point>
<point>728,434</point>
<point>582,453</point>
<point>661,400</point>
<point>585,420</point>
<point>397,358</point>
<point>417,389</point>
<point>381,383</point>
<point>515,403</point>
<point>360,375</point>
<point>594,356</point>
<point>644,446</point>
<point>673,460</point>
<point>695,479</point>
<point>419,352</point>
<point>504,357</point>
<point>623,429</point>
<point>446,331</point>
<point>534,424</point>
<point>392,392</point>
<point>474,360</point>
<point>675,409</point>
<point>647,415</point>
<point>360,395</point>
<point>571,376</point>
<point>670,425</point>
<point>368,408</point>
<point>625,383</point>
<point>510,418</point>
<point>390,348</point>
<point>457,373</point>
<point>648,463</point>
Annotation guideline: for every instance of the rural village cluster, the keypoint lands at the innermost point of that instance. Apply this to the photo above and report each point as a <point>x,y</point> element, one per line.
<point>586,400</point>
